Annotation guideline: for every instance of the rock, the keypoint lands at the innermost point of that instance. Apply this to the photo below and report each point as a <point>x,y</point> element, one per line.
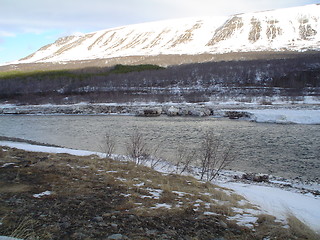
<point>117,237</point>
<point>183,111</point>
<point>97,219</point>
<point>223,224</point>
<point>236,114</point>
<point>149,112</point>
<point>102,224</point>
<point>114,225</point>
<point>256,177</point>
<point>172,111</point>
<point>200,112</point>
<point>151,232</point>
<point>65,223</point>
<point>78,235</point>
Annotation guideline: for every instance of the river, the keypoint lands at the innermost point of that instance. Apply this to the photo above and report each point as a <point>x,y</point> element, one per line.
<point>287,150</point>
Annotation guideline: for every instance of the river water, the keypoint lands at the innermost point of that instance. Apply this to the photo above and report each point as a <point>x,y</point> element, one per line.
<point>291,151</point>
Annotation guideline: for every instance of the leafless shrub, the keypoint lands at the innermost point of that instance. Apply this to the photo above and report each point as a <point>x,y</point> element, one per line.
<point>153,159</point>
<point>141,152</point>
<point>184,159</point>
<point>137,148</point>
<point>108,145</point>
<point>214,156</point>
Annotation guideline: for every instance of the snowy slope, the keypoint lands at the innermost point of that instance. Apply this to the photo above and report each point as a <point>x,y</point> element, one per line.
<point>295,29</point>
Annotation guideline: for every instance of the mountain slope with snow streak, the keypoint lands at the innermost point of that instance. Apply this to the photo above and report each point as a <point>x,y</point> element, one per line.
<point>291,29</point>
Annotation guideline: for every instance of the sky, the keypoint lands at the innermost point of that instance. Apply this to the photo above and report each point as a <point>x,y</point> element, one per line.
<point>27,25</point>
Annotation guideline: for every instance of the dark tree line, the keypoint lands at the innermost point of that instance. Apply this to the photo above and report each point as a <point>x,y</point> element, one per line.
<point>192,82</point>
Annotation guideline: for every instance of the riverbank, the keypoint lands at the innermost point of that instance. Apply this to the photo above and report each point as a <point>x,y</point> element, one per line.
<point>155,205</point>
<point>272,197</point>
<point>299,113</point>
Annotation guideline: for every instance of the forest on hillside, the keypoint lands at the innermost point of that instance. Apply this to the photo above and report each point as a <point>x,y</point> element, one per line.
<point>198,82</point>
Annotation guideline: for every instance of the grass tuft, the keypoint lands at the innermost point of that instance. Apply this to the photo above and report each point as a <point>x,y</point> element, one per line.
<point>301,230</point>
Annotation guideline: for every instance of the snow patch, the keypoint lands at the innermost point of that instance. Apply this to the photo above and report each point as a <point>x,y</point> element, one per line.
<point>246,220</point>
<point>281,203</point>
<point>37,148</point>
<point>285,116</point>
<point>43,194</point>
<point>7,165</point>
<point>162,205</point>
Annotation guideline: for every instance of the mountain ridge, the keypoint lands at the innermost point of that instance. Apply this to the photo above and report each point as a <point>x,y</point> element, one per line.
<point>291,29</point>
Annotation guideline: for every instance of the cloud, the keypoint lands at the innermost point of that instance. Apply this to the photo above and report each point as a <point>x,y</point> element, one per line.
<point>7,34</point>
<point>36,31</point>
<point>83,15</point>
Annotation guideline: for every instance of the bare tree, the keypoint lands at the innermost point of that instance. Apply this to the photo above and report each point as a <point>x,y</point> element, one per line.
<point>215,155</point>
<point>137,148</point>
<point>184,159</point>
<point>108,144</point>
<point>154,160</point>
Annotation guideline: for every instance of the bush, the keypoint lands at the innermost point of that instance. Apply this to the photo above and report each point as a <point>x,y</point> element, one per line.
<point>214,156</point>
<point>108,145</point>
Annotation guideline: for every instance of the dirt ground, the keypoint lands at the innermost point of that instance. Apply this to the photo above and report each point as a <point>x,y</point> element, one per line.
<point>60,196</point>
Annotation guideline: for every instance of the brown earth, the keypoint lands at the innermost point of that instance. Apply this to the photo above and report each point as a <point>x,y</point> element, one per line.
<point>96,198</point>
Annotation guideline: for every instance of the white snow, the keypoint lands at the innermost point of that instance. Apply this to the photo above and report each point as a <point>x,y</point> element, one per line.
<point>162,205</point>
<point>285,116</point>
<point>7,164</point>
<point>210,214</point>
<point>180,194</point>
<point>156,193</point>
<point>246,220</point>
<point>9,238</point>
<point>139,184</point>
<point>280,31</point>
<point>37,148</point>
<point>281,203</point>
<point>40,195</point>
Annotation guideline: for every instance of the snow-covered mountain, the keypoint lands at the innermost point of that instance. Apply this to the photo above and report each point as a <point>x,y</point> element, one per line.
<point>292,29</point>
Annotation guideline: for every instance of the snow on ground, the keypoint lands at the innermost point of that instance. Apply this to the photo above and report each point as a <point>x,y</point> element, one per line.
<point>271,200</point>
<point>281,203</point>
<point>43,194</point>
<point>37,148</point>
<point>9,238</point>
<point>300,116</point>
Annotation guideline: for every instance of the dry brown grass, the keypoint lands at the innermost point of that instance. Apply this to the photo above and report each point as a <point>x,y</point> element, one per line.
<point>14,188</point>
<point>167,197</point>
<point>301,230</point>
<point>68,175</point>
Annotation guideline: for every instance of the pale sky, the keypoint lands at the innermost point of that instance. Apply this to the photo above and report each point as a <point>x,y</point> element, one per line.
<point>27,25</point>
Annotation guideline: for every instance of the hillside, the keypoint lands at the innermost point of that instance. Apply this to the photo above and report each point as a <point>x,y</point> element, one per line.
<point>62,196</point>
<point>292,29</point>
